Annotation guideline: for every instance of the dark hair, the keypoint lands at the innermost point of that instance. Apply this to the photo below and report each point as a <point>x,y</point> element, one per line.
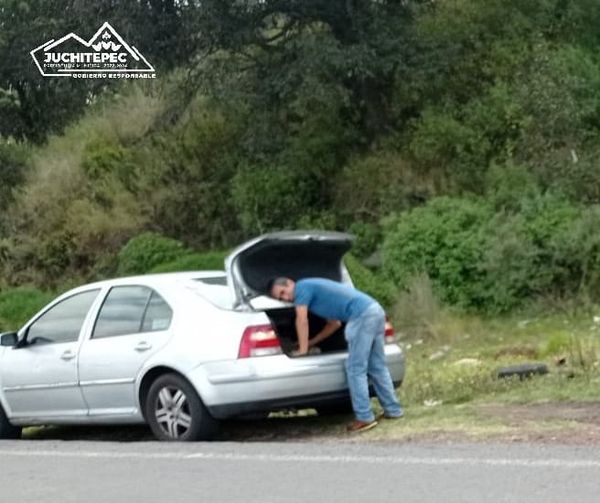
<point>278,280</point>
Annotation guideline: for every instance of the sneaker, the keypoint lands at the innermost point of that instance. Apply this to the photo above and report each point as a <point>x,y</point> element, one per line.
<point>356,426</point>
<point>385,416</point>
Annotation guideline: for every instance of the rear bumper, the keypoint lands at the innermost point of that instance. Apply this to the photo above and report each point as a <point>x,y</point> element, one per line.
<point>269,383</point>
<point>225,411</point>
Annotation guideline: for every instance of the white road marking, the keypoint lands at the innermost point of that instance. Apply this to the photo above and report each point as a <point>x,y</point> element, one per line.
<point>375,460</point>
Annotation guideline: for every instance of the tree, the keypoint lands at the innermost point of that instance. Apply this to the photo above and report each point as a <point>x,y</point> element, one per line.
<point>358,46</point>
<point>31,106</point>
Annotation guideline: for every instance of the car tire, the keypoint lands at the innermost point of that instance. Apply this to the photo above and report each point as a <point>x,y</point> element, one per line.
<point>175,412</point>
<point>7,430</point>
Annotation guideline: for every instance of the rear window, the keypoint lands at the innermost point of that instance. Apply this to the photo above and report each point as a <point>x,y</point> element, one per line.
<point>217,280</point>
<point>214,290</point>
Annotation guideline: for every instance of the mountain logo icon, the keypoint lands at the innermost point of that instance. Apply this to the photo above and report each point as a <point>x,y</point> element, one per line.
<point>105,55</point>
<point>107,46</point>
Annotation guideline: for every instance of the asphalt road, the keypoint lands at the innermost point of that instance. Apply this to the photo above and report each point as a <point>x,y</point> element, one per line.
<point>52,471</point>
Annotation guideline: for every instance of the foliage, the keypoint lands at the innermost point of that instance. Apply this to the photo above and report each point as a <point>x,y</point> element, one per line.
<point>471,127</point>
<point>186,171</point>
<point>14,161</point>
<point>371,283</point>
<point>269,198</point>
<point>17,305</point>
<point>443,240</point>
<point>32,107</point>
<point>367,238</point>
<point>353,48</point>
<point>377,184</point>
<point>481,259</point>
<point>68,215</point>
<point>208,261</point>
<point>508,185</point>
<point>144,252</point>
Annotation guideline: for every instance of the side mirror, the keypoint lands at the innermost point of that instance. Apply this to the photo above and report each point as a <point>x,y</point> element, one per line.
<point>9,339</point>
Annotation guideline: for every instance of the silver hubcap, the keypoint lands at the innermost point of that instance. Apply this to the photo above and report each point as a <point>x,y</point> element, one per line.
<point>172,412</point>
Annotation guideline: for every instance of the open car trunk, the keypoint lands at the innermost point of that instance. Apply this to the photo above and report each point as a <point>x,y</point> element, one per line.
<point>284,322</point>
<point>295,255</point>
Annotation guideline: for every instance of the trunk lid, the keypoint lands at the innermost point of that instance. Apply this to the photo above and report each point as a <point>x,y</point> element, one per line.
<point>294,254</point>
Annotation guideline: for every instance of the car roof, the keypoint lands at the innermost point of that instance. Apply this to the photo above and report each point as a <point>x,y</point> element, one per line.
<point>151,279</point>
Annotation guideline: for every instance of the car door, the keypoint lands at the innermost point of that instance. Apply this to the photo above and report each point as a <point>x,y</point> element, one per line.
<point>133,323</point>
<point>39,376</point>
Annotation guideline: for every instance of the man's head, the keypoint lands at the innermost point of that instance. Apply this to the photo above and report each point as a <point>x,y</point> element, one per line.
<point>282,289</point>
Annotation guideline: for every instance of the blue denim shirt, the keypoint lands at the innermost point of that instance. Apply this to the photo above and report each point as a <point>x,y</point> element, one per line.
<point>330,299</point>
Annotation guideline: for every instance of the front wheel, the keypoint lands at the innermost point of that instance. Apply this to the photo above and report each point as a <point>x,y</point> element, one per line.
<point>175,412</point>
<point>7,430</point>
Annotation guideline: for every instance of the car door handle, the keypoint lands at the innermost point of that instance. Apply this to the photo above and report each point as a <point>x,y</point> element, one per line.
<point>68,355</point>
<point>143,346</point>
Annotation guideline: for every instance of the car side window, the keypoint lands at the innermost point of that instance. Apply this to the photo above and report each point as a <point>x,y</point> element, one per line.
<point>129,310</point>
<point>62,322</point>
<point>158,315</point>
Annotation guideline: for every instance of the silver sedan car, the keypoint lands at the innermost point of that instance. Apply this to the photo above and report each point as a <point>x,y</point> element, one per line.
<point>180,351</point>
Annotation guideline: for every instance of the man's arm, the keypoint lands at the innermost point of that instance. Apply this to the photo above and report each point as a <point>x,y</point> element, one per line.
<point>302,330</point>
<point>330,327</point>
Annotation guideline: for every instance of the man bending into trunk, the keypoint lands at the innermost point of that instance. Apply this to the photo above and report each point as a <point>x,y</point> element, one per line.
<point>365,327</point>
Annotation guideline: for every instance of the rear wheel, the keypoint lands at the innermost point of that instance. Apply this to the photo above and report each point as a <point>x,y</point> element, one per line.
<point>7,430</point>
<point>175,412</point>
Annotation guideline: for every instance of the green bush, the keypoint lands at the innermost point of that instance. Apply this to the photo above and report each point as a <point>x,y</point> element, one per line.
<point>441,239</point>
<point>465,139</point>
<point>186,176</point>
<point>507,264</point>
<point>368,238</point>
<point>369,282</point>
<point>493,261</point>
<point>522,257</point>
<point>575,254</point>
<point>208,261</point>
<point>270,198</point>
<point>440,139</point>
<point>19,304</point>
<point>148,250</point>
<point>377,184</point>
<point>508,185</point>
<point>102,160</point>
<point>535,252</point>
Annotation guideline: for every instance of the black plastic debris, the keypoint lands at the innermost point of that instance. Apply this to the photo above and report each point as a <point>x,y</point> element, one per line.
<point>523,371</point>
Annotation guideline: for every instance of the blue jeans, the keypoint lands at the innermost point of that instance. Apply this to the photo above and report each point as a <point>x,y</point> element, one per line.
<point>366,358</point>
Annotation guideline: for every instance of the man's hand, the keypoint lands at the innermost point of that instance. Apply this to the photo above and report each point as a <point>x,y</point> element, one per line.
<point>297,352</point>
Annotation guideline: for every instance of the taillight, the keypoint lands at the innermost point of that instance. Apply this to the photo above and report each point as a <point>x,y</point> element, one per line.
<point>259,340</point>
<point>390,337</point>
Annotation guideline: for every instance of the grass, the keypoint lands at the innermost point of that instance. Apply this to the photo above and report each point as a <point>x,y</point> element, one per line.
<point>453,358</point>
<point>462,367</point>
